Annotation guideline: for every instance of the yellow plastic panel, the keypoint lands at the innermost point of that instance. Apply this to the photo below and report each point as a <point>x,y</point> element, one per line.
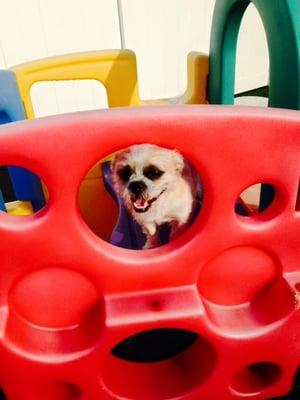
<point>19,208</point>
<point>198,66</point>
<point>115,69</point>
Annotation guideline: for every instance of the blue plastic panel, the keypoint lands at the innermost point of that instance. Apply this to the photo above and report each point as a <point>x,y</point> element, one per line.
<point>2,205</point>
<point>27,186</point>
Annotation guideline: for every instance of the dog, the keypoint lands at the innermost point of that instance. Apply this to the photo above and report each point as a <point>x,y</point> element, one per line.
<point>157,188</point>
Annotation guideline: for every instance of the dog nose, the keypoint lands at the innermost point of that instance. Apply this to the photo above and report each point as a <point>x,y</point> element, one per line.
<point>137,187</point>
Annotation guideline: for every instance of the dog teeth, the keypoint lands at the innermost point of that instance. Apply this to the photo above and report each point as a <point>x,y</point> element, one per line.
<point>141,205</point>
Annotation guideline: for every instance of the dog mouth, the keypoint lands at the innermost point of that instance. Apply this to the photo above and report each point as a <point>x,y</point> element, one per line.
<point>142,205</point>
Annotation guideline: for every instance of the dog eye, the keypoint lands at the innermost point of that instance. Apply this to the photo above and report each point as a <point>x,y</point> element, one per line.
<point>125,173</point>
<point>152,173</point>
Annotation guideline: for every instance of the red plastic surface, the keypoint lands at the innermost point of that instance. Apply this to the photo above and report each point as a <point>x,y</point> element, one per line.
<point>67,297</point>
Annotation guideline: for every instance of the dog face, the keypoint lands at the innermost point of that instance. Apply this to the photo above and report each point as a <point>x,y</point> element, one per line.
<point>143,173</point>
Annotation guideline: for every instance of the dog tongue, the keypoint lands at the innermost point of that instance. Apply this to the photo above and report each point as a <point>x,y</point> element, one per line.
<point>140,202</point>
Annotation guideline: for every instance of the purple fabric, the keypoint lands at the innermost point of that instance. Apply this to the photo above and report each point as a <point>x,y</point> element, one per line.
<point>126,233</point>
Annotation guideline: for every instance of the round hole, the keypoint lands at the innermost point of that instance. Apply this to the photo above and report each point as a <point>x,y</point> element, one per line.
<point>256,377</point>
<point>22,192</point>
<point>2,395</point>
<point>141,197</point>
<point>156,305</point>
<point>158,364</point>
<point>255,199</point>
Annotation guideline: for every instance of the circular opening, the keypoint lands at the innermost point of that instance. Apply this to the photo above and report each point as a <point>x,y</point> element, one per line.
<point>22,192</point>
<point>2,395</point>
<point>155,345</point>
<point>255,199</point>
<point>158,364</point>
<point>256,377</point>
<point>141,197</point>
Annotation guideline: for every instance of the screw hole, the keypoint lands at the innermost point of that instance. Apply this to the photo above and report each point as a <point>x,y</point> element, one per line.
<point>256,377</point>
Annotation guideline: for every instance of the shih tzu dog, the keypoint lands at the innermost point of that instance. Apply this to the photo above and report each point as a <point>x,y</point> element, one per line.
<point>157,188</point>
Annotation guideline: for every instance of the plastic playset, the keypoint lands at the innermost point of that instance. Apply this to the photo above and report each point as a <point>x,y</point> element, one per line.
<point>212,315</point>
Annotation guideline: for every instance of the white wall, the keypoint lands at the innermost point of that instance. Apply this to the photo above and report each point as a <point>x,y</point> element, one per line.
<point>252,68</point>
<point>161,32</point>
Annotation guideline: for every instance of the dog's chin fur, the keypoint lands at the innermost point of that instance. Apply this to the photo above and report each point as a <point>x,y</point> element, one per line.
<point>167,199</point>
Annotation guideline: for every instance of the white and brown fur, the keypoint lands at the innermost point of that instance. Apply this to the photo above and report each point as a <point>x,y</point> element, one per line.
<point>155,187</point>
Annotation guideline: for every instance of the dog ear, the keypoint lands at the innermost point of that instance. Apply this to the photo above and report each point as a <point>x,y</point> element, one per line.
<point>117,157</point>
<point>179,161</point>
<point>115,160</point>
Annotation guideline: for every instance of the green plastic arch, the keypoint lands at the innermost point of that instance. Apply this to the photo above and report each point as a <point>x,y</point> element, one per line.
<point>281,20</point>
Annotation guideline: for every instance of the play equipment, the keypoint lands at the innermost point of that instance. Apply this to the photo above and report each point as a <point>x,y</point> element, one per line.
<point>77,313</point>
<point>27,186</point>
<point>281,23</point>
<point>69,298</point>
<point>117,71</point>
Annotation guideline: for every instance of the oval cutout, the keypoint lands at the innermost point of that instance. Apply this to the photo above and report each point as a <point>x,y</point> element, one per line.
<point>154,345</point>
<point>171,373</point>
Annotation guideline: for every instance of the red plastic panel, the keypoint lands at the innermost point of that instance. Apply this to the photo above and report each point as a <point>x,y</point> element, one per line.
<point>67,297</point>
